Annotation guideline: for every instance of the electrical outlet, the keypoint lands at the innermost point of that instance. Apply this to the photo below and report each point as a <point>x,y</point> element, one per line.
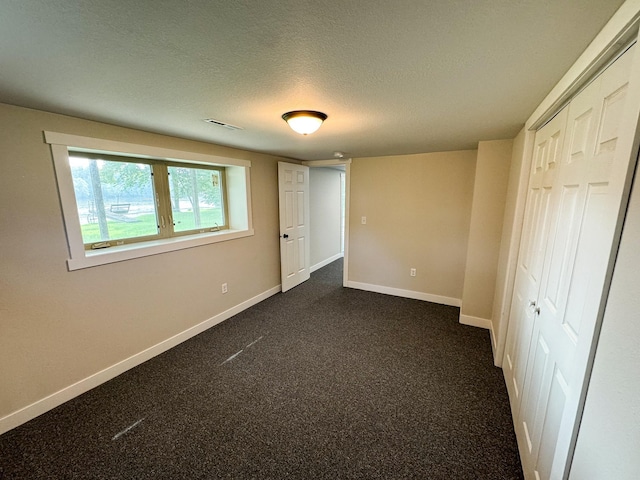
<point>364,220</point>
<point>412,272</point>
<point>224,288</point>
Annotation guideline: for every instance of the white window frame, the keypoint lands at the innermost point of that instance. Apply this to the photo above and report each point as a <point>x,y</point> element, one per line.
<point>238,195</point>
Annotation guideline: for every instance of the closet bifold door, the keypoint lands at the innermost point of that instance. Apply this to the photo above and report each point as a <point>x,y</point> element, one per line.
<point>546,158</point>
<point>561,308</point>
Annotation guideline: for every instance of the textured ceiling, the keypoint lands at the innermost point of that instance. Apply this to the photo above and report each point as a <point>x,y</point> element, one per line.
<point>394,77</point>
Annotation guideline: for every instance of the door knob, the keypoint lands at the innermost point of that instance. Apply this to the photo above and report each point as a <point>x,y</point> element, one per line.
<point>537,310</point>
<point>285,236</point>
<point>532,303</point>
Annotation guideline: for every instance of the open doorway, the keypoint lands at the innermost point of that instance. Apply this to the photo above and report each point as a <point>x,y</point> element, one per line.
<point>327,198</point>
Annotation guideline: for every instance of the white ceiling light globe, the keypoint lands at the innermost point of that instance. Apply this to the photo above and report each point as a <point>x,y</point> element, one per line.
<point>304,122</point>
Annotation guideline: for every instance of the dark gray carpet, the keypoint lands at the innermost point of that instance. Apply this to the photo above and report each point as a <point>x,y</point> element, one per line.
<point>329,383</point>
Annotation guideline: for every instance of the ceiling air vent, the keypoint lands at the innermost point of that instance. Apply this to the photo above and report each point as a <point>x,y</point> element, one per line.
<point>222,124</point>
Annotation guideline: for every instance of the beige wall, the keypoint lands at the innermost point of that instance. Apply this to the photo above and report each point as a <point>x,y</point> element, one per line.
<point>59,327</point>
<point>609,435</point>
<point>485,230</point>
<point>325,213</point>
<point>509,242</point>
<point>418,209</point>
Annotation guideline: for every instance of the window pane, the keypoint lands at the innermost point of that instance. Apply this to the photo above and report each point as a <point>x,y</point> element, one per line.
<point>115,199</point>
<point>196,198</point>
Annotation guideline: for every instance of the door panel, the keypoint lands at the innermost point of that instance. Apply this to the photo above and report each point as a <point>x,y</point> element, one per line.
<point>290,258</point>
<point>288,218</point>
<point>580,134</point>
<point>611,114</point>
<point>559,267</point>
<point>555,406</point>
<point>302,248</point>
<point>587,255</point>
<point>540,370</point>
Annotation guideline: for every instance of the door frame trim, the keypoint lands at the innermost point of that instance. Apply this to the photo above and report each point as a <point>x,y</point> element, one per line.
<point>346,162</point>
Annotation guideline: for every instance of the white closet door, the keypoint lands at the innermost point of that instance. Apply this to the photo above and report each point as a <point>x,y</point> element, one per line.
<point>547,153</point>
<point>584,210</point>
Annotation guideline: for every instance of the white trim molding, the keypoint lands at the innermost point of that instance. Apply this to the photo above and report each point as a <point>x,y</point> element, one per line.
<point>398,292</point>
<point>347,206</point>
<point>326,262</point>
<point>480,323</point>
<point>41,406</point>
<point>80,143</point>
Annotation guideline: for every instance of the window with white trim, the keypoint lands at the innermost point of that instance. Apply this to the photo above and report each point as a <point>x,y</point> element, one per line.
<point>123,201</point>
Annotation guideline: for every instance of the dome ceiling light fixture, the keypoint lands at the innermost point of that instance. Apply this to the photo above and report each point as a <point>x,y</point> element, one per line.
<point>304,122</point>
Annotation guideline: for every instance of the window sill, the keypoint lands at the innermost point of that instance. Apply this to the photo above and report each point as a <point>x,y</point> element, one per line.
<point>94,258</point>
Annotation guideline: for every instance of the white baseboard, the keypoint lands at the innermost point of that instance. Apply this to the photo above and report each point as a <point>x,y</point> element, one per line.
<point>326,262</point>
<point>58,398</point>
<point>398,292</point>
<point>481,323</point>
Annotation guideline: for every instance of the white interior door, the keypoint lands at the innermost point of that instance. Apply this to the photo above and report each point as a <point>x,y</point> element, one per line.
<point>547,153</point>
<point>586,198</point>
<point>293,187</point>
